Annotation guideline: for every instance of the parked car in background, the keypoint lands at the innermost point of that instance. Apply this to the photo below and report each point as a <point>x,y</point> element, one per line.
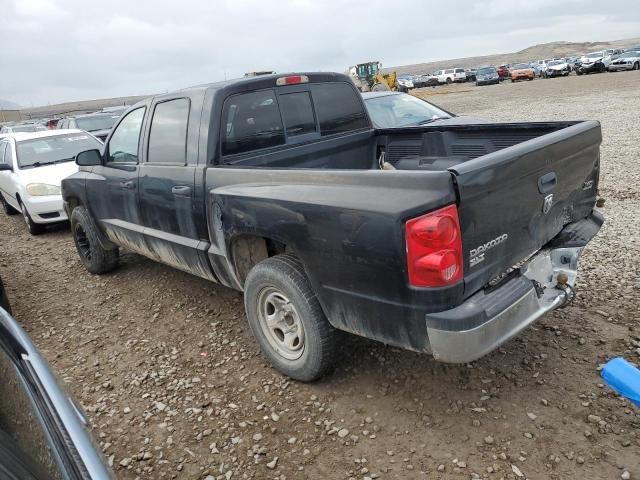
<point>452,75</point>
<point>613,53</point>
<point>522,71</point>
<point>471,74</point>
<point>32,165</point>
<point>629,60</point>
<point>22,127</point>
<point>428,80</point>
<point>44,434</point>
<point>557,68</point>
<point>97,124</point>
<point>395,109</point>
<point>405,83</point>
<point>487,76</point>
<point>593,62</point>
<point>503,72</point>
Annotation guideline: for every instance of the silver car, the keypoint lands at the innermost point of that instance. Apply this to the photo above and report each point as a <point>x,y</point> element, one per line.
<point>627,61</point>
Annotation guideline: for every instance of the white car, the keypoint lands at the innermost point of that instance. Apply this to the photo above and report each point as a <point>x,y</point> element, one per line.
<point>23,127</point>
<point>32,166</point>
<point>452,75</point>
<point>627,61</point>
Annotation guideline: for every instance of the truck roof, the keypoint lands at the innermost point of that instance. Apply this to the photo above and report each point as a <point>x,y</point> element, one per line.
<point>263,81</point>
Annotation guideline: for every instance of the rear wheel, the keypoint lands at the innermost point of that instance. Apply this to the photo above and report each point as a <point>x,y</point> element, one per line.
<point>8,209</point>
<point>636,66</point>
<point>449,81</point>
<point>95,258</point>
<point>286,319</point>
<point>34,228</point>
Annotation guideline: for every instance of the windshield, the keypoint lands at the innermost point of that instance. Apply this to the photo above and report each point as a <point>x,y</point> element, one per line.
<point>486,71</point>
<point>520,66</point>
<point>28,128</point>
<point>555,62</point>
<point>401,110</point>
<point>54,149</point>
<point>594,55</point>
<point>97,122</point>
<point>630,54</point>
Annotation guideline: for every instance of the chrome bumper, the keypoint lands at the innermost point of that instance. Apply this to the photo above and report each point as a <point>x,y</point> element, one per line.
<point>495,316</point>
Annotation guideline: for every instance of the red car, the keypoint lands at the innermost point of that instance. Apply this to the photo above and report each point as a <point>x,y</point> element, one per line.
<point>503,72</point>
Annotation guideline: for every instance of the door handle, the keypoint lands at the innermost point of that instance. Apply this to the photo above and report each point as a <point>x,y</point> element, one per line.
<point>181,190</point>
<point>130,185</point>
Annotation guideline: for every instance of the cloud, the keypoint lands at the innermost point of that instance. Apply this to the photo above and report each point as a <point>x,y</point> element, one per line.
<point>62,50</point>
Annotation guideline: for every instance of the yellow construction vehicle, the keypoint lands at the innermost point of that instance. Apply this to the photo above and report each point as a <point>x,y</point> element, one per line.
<point>368,78</point>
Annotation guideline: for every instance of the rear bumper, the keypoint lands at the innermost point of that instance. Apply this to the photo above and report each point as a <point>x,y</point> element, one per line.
<point>491,317</point>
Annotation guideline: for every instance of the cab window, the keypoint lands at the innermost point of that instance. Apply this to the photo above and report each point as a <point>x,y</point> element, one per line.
<point>123,146</point>
<point>252,122</point>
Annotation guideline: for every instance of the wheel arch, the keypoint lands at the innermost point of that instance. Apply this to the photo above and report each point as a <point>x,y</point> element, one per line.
<point>247,250</point>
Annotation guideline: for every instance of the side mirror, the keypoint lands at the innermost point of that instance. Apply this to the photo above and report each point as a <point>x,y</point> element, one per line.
<point>89,158</point>
<point>5,167</point>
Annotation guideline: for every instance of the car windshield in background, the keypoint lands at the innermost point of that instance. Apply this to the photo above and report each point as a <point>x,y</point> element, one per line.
<point>520,66</point>
<point>555,62</point>
<point>594,55</point>
<point>54,149</point>
<point>97,122</point>
<point>630,55</point>
<point>401,110</point>
<point>28,128</point>
<point>486,71</point>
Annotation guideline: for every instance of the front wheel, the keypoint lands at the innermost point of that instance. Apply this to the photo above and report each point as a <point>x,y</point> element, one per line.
<point>8,209</point>
<point>95,258</point>
<point>636,66</point>
<point>286,319</point>
<point>33,227</point>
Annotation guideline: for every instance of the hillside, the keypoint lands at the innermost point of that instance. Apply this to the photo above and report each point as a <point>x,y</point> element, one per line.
<point>544,50</point>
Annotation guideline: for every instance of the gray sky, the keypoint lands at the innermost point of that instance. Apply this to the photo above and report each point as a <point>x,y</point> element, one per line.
<point>60,50</point>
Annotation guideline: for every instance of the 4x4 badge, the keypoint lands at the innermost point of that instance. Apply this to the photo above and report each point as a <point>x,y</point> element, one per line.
<point>548,202</point>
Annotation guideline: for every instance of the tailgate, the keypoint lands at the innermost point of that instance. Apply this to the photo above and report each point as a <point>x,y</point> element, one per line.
<point>515,200</point>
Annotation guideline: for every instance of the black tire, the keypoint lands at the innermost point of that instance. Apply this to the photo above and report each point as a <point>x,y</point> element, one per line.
<point>33,227</point>
<point>95,258</point>
<point>602,68</point>
<point>284,275</point>
<point>8,209</point>
<point>449,81</point>
<point>636,66</point>
<point>578,72</point>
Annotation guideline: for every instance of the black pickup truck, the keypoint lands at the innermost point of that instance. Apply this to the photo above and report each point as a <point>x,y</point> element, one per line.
<point>440,238</point>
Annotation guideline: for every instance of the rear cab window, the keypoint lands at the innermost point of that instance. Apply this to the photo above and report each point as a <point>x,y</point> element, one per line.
<point>276,117</point>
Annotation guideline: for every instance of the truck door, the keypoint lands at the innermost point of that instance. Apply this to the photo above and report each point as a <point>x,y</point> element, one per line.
<point>112,188</point>
<point>175,231</point>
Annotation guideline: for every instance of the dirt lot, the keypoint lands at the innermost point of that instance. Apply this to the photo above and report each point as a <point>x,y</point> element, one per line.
<point>166,369</point>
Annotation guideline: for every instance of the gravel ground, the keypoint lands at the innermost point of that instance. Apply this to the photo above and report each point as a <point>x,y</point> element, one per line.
<point>175,387</point>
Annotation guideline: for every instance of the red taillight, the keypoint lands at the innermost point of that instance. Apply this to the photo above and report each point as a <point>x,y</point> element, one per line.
<point>292,80</point>
<point>434,248</point>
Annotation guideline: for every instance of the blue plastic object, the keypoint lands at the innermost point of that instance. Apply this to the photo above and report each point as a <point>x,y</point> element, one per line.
<point>623,378</point>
